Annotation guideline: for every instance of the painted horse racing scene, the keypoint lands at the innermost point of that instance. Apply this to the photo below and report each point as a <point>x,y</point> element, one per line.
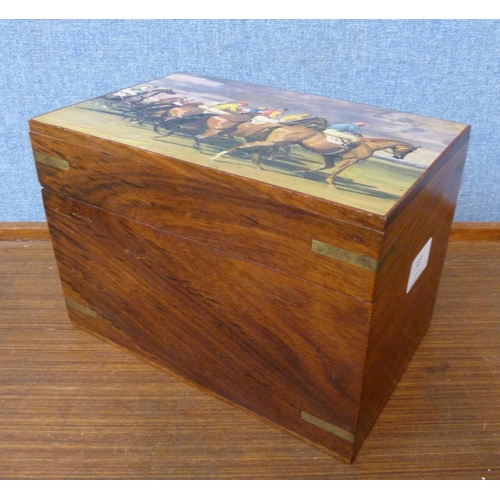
<point>363,151</point>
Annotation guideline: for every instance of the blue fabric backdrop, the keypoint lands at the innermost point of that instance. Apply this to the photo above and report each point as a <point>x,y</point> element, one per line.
<point>447,69</point>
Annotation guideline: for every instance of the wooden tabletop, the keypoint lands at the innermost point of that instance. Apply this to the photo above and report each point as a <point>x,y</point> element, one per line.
<point>72,406</point>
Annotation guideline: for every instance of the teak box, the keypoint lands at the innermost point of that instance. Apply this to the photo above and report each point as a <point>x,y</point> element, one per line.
<point>280,250</point>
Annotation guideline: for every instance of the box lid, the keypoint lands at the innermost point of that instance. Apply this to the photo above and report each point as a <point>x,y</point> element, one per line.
<point>351,155</point>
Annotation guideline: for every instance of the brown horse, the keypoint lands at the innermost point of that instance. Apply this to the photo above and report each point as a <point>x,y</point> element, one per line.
<point>173,117</point>
<point>281,136</point>
<point>318,143</point>
<point>153,113</point>
<point>222,124</point>
<point>239,126</point>
<point>364,150</point>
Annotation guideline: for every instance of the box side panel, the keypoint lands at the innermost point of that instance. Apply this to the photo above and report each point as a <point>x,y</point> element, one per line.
<point>407,286</point>
<point>196,204</point>
<point>287,350</point>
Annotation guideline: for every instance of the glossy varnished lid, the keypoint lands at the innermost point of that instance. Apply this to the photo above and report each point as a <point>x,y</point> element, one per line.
<point>298,136</point>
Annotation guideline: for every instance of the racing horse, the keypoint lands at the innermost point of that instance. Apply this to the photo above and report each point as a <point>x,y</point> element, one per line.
<point>174,117</point>
<point>138,96</point>
<point>364,150</point>
<point>240,126</point>
<point>170,115</point>
<point>125,103</point>
<point>222,124</point>
<point>318,142</point>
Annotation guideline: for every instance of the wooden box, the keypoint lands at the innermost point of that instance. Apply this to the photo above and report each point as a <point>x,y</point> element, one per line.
<point>280,250</point>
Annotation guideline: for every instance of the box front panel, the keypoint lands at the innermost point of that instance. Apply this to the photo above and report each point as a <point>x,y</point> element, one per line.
<point>288,350</point>
<point>216,210</point>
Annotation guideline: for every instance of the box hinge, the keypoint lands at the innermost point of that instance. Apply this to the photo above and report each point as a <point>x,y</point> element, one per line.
<point>79,307</point>
<point>351,257</point>
<point>51,161</point>
<point>341,433</point>
<point>344,255</point>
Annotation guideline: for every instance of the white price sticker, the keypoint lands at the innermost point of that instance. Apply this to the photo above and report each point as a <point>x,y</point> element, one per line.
<point>419,264</point>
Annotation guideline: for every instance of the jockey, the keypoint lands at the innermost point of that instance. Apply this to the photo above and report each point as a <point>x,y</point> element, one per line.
<point>268,116</point>
<point>257,110</point>
<point>159,100</point>
<point>294,118</point>
<point>347,134</point>
<point>184,101</point>
<point>273,113</point>
<point>231,107</point>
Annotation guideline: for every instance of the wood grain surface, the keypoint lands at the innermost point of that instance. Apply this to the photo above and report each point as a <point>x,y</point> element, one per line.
<point>75,407</point>
<point>401,317</point>
<point>277,345</point>
<point>272,343</point>
<point>460,231</point>
<point>30,231</point>
<point>227,213</point>
<point>475,231</point>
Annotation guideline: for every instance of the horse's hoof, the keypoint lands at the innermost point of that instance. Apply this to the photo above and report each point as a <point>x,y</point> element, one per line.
<point>218,155</point>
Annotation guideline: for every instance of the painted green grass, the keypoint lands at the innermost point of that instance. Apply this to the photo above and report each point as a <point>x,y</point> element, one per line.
<point>380,176</point>
<point>373,177</point>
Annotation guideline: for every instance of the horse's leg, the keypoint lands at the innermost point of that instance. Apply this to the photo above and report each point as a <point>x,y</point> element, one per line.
<point>157,122</point>
<point>274,153</point>
<point>279,152</point>
<point>223,153</point>
<point>329,162</point>
<point>342,165</point>
<point>257,145</point>
<point>156,126</point>
<point>256,158</point>
<point>172,119</point>
<point>174,123</point>
<point>172,130</point>
<point>156,119</point>
<point>206,135</point>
